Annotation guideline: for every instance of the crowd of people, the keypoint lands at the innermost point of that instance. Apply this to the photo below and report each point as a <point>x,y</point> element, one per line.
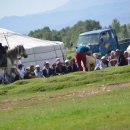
<point>19,72</point>
<point>79,63</point>
<point>112,58</point>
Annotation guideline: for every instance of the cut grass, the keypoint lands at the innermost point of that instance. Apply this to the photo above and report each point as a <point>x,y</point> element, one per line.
<point>80,101</point>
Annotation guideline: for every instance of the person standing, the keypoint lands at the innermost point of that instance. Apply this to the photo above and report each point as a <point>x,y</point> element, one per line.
<point>2,49</point>
<point>80,55</point>
<point>3,57</point>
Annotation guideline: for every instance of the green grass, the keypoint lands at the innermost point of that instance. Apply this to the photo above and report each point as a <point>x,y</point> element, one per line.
<point>96,100</point>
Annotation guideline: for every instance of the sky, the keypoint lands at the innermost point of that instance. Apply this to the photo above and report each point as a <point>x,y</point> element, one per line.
<point>25,7</point>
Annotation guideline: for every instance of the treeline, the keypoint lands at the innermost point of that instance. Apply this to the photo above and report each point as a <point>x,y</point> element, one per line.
<point>69,34</point>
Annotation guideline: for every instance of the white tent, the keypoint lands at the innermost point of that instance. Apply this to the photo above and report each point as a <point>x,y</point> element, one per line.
<point>38,50</point>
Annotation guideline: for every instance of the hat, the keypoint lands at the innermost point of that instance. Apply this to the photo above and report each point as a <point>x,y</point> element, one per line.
<point>66,61</point>
<point>117,50</point>
<point>37,66</point>
<point>103,57</point>
<point>126,52</point>
<point>28,68</point>
<point>69,57</point>
<point>57,59</point>
<point>95,54</point>
<point>20,65</point>
<point>47,62</point>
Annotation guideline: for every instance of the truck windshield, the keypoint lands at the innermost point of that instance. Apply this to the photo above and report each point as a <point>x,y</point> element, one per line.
<point>86,40</point>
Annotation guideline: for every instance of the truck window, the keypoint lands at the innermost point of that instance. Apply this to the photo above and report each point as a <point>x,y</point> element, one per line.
<point>112,35</point>
<point>105,35</point>
<point>85,40</point>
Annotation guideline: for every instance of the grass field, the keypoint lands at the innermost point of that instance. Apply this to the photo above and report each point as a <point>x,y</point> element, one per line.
<point>98,100</point>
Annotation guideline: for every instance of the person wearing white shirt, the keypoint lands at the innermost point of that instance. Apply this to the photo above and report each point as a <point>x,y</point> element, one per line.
<point>21,71</point>
<point>104,63</point>
<point>37,71</point>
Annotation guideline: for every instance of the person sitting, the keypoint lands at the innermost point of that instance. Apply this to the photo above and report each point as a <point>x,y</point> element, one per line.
<point>108,55</point>
<point>67,65</point>
<point>14,75</point>
<point>54,69</point>
<point>112,58</point>
<point>21,71</point>
<point>30,74</point>
<point>126,54</point>
<point>58,60</point>
<point>37,71</point>
<point>60,69</point>
<point>121,60</point>
<point>72,67</point>
<point>104,63</point>
<point>47,71</point>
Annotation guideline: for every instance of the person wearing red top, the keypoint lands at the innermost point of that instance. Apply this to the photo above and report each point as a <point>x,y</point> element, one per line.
<point>80,55</point>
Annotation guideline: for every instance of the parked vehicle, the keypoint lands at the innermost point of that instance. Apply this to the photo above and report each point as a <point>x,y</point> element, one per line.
<point>102,41</point>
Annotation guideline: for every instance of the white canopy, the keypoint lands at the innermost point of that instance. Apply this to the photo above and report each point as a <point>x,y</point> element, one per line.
<point>38,50</point>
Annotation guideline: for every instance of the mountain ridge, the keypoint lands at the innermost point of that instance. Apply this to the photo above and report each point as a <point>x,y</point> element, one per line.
<point>68,15</point>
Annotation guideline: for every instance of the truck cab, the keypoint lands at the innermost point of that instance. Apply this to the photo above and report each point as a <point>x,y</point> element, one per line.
<point>99,41</point>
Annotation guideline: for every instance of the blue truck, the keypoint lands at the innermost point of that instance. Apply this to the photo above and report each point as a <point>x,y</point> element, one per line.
<point>102,41</point>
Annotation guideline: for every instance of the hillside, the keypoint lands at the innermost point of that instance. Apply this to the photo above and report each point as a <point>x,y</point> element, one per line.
<point>93,100</point>
<point>69,14</point>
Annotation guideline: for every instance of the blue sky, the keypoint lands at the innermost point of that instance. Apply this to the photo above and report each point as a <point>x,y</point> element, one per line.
<point>24,7</point>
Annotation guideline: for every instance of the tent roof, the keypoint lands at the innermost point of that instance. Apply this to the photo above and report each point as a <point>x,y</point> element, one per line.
<point>13,39</point>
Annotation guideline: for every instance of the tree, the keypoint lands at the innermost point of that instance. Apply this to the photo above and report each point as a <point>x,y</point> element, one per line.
<point>66,34</point>
<point>116,25</point>
<point>128,28</point>
<point>123,32</point>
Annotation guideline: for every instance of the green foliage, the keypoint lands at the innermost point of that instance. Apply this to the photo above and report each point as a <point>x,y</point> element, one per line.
<point>70,34</point>
<point>123,31</point>
<point>67,34</point>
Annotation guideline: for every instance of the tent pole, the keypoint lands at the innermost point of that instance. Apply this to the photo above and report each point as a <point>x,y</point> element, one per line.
<point>6,40</point>
<point>62,53</point>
